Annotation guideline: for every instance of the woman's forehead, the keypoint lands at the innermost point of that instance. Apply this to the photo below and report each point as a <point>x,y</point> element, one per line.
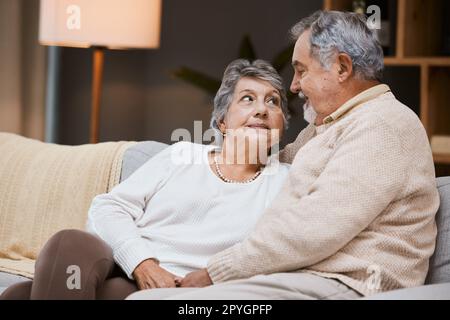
<point>255,85</point>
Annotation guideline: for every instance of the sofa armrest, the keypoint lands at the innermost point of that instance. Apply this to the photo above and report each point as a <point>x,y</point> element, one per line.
<point>429,292</point>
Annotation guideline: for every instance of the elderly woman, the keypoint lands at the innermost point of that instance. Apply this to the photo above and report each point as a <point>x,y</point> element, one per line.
<point>181,207</point>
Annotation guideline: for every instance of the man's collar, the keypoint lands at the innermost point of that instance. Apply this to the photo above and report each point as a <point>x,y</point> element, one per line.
<point>357,100</point>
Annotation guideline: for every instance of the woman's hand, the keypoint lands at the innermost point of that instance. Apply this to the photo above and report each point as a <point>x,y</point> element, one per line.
<point>199,278</point>
<point>148,275</point>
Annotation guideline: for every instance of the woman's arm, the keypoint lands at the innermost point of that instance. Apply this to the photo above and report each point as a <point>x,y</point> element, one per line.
<point>112,215</point>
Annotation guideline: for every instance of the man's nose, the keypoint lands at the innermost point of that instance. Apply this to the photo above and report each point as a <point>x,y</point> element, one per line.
<point>295,85</point>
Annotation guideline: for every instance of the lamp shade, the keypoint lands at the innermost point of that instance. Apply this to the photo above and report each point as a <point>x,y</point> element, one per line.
<point>115,24</point>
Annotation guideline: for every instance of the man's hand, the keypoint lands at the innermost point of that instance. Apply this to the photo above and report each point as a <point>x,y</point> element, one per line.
<point>148,275</point>
<point>199,278</point>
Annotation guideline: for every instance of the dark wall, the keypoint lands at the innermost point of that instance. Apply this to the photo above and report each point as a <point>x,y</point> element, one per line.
<point>142,101</point>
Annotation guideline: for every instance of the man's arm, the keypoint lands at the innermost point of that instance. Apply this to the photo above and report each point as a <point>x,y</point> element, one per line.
<point>365,174</point>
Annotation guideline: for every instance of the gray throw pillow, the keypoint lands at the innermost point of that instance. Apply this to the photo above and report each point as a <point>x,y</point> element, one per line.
<point>137,155</point>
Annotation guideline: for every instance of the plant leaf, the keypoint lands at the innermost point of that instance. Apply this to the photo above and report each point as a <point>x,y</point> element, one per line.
<point>283,58</point>
<point>198,79</point>
<point>246,49</point>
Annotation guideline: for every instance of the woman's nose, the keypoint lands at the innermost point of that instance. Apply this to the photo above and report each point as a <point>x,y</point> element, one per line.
<point>261,109</point>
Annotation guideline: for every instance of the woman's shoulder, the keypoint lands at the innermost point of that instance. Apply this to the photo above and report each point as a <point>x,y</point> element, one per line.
<point>196,147</point>
<point>276,169</point>
<point>191,145</point>
<point>284,168</point>
<point>185,152</point>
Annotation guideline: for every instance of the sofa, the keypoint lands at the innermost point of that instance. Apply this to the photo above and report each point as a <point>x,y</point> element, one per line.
<point>133,157</point>
<point>437,284</point>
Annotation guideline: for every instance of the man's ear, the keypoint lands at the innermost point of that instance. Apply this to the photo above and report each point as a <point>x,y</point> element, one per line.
<point>345,66</point>
<point>222,126</point>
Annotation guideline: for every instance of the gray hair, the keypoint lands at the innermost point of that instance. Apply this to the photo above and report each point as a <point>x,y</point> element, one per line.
<point>343,32</point>
<point>236,70</point>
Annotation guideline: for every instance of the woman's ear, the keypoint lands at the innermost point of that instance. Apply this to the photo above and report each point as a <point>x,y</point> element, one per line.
<point>345,66</point>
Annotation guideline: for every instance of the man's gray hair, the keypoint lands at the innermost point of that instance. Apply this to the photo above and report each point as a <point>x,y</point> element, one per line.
<point>343,32</point>
<point>236,70</point>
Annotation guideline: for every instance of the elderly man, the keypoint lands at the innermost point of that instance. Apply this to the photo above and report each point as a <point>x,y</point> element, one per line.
<point>356,216</point>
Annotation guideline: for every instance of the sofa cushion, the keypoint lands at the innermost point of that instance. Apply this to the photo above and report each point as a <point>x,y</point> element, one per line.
<point>430,292</point>
<point>137,155</point>
<point>7,279</point>
<point>439,270</point>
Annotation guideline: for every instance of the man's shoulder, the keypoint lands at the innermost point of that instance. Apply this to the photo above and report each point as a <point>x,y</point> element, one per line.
<point>389,109</point>
<point>382,113</point>
<point>386,119</point>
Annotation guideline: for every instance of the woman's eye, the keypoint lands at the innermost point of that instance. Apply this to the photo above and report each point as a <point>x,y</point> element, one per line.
<point>247,99</point>
<point>273,101</point>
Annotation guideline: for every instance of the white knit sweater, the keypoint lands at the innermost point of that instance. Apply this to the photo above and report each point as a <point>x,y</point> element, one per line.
<point>358,205</point>
<point>175,209</point>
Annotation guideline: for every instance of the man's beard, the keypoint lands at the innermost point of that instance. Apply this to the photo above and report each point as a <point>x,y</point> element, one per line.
<point>309,114</point>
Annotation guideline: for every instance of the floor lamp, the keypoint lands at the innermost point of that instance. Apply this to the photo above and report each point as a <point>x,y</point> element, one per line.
<point>100,24</point>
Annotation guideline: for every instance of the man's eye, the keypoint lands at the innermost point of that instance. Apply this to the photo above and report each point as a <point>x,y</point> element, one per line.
<point>247,99</point>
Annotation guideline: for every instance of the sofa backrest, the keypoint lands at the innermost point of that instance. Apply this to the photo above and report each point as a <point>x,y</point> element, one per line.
<point>137,155</point>
<point>439,270</point>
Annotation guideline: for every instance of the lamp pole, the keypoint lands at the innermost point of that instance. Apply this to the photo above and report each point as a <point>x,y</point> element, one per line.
<point>52,94</point>
<point>97,78</point>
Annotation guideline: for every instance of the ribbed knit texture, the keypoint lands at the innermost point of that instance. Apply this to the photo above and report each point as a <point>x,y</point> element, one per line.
<point>358,206</point>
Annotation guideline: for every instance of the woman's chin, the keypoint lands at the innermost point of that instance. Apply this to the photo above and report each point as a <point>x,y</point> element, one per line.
<point>260,142</point>
<point>259,138</point>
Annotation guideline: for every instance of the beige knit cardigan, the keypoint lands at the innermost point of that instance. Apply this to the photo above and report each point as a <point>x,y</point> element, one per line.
<point>358,205</point>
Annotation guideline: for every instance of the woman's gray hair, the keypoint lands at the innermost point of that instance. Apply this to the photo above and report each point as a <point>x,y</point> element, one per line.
<point>343,32</point>
<point>236,70</point>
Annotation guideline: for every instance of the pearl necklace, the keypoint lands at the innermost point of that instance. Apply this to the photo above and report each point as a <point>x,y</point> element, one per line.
<point>233,181</point>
